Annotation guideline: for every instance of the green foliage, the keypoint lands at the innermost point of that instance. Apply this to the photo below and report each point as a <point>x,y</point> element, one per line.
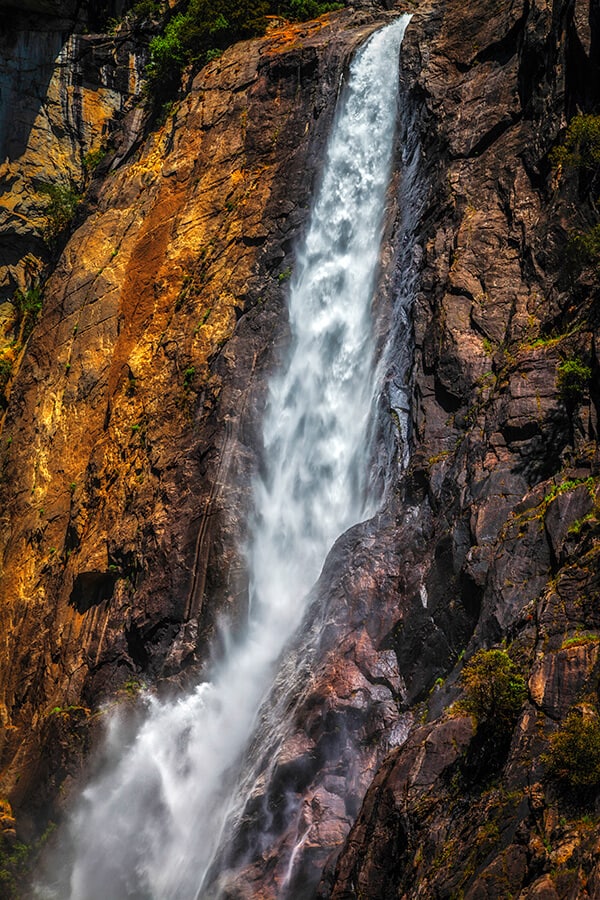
<point>29,306</point>
<point>188,377</point>
<point>579,524</point>
<point>574,754</point>
<point>93,158</point>
<point>69,711</point>
<point>13,866</point>
<point>168,52</point>
<point>581,151</point>
<point>29,302</point>
<point>494,689</point>
<point>580,640</point>
<point>583,247</point>
<point>133,686</point>
<point>5,373</point>
<point>62,203</point>
<point>147,9</point>
<point>569,484</point>
<point>283,276</point>
<point>16,858</point>
<point>206,28</point>
<point>573,380</point>
<point>300,10</point>
<point>581,147</point>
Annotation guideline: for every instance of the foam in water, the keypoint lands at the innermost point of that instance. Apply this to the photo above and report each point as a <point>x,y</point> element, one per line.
<point>150,824</point>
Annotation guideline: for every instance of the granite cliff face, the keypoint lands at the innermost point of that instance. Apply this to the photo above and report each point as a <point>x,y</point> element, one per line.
<point>63,94</point>
<point>133,417</point>
<point>505,465</point>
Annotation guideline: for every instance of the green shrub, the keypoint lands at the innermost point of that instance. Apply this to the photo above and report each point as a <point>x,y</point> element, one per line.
<point>207,28</point>
<point>29,306</point>
<point>583,247</point>
<point>574,754</point>
<point>581,147</point>
<point>5,373</point>
<point>147,9</point>
<point>188,377</point>
<point>573,380</point>
<point>494,689</point>
<point>309,9</point>
<point>93,158</point>
<point>167,52</point>
<point>62,203</point>
<point>29,302</point>
<point>13,866</point>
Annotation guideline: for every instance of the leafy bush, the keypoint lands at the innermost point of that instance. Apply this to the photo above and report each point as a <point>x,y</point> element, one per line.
<point>494,689</point>
<point>93,158</point>
<point>188,378</point>
<point>29,302</point>
<point>63,200</point>
<point>573,380</point>
<point>13,866</point>
<point>584,247</point>
<point>574,754</point>
<point>581,147</point>
<point>29,306</point>
<point>300,10</point>
<point>206,27</point>
<point>147,9</point>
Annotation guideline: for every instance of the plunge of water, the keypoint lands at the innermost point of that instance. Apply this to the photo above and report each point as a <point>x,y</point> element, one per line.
<point>150,825</point>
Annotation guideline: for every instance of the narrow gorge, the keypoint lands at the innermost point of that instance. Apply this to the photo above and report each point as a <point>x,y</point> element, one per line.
<point>299,495</point>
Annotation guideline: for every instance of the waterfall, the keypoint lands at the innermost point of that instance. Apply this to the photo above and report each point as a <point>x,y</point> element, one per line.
<point>151,823</point>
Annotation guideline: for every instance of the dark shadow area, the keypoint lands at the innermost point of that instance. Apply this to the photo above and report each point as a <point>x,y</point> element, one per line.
<point>29,47</point>
<point>91,589</point>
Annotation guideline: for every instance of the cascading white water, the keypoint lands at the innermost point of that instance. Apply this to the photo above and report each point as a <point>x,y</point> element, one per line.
<point>150,825</point>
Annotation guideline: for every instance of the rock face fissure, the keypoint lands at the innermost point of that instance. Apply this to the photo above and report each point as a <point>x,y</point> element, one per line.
<point>153,823</point>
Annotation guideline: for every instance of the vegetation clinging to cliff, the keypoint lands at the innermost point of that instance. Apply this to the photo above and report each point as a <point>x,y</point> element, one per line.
<point>494,689</point>
<point>574,756</point>
<point>581,147</point>
<point>63,200</point>
<point>206,28</point>
<point>580,151</point>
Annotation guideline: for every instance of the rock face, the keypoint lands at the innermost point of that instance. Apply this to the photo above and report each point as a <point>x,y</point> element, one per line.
<point>133,421</point>
<point>505,463</point>
<point>63,94</point>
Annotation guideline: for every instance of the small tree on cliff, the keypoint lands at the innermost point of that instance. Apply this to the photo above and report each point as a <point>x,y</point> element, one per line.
<point>494,690</point>
<point>574,755</point>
